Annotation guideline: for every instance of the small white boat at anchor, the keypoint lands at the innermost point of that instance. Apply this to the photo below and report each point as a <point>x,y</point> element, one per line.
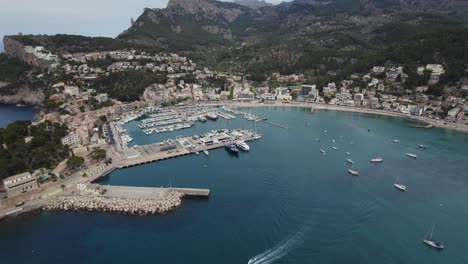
<point>347,153</point>
<point>396,141</point>
<point>377,160</point>
<point>412,155</point>
<point>353,172</point>
<point>350,161</point>
<point>197,153</point>
<point>431,242</point>
<point>318,140</point>
<point>400,187</point>
<point>206,152</point>
<point>322,151</point>
<point>422,146</point>
<point>335,148</point>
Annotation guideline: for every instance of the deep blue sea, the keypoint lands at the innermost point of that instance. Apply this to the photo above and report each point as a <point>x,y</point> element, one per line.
<point>11,113</point>
<point>282,202</point>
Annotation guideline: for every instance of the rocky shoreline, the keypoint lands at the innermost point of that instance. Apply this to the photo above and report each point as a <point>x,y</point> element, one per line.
<point>129,206</point>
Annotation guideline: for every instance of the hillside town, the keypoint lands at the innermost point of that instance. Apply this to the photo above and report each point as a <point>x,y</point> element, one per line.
<point>86,111</point>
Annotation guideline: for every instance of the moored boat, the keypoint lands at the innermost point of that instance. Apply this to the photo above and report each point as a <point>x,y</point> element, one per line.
<point>211,117</point>
<point>232,148</point>
<point>377,160</point>
<point>243,146</point>
<point>431,242</point>
<point>396,141</point>
<point>350,161</point>
<point>353,172</point>
<point>322,151</point>
<point>412,155</point>
<point>206,152</point>
<point>335,148</point>
<point>423,146</point>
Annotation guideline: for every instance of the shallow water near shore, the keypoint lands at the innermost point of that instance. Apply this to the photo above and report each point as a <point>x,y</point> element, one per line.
<point>282,202</point>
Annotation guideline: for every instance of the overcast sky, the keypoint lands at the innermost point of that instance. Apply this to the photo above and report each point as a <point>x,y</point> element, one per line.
<point>84,17</point>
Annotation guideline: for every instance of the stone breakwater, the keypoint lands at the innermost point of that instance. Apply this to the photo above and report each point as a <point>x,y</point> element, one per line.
<point>131,206</point>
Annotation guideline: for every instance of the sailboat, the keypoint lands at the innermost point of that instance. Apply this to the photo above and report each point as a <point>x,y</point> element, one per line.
<point>400,187</point>
<point>432,243</point>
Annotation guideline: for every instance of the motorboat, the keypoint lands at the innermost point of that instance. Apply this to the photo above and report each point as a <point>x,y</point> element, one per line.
<point>377,160</point>
<point>243,146</point>
<point>412,155</point>
<point>353,172</point>
<point>350,161</point>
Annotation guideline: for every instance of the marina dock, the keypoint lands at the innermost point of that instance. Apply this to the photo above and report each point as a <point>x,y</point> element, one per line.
<point>184,146</point>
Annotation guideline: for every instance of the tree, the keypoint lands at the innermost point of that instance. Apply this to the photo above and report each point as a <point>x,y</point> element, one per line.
<point>75,162</point>
<point>98,154</point>
<point>103,118</point>
<point>294,95</point>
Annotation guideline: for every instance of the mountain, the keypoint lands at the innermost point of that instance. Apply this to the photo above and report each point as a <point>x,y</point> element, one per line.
<point>254,4</point>
<point>292,36</point>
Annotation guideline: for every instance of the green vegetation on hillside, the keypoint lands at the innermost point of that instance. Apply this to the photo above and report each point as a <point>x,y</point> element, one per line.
<point>127,86</point>
<point>44,150</point>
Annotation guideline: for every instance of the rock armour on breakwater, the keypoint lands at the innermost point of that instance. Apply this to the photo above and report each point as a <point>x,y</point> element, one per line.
<point>115,205</point>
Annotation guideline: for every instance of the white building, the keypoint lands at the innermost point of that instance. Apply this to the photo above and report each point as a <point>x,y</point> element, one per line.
<point>71,139</point>
<point>72,90</point>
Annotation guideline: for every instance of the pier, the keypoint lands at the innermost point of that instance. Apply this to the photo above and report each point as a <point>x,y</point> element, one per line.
<point>271,123</point>
<point>148,192</point>
<point>184,146</point>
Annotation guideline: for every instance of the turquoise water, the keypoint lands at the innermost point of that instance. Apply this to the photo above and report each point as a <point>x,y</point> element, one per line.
<point>11,113</point>
<point>283,202</point>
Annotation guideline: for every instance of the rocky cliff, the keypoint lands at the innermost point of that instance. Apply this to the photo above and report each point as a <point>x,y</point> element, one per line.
<point>23,96</point>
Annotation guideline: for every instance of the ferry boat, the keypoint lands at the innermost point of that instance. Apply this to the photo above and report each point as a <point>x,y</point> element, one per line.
<point>377,160</point>
<point>350,161</point>
<point>243,146</point>
<point>211,117</point>
<point>232,148</point>
<point>353,172</point>
<point>206,152</point>
<point>423,146</point>
<point>322,151</point>
<point>433,243</point>
<point>202,119</point>
<point>412,155</point>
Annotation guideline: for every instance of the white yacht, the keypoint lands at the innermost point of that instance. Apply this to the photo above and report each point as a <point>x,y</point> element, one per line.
<point>353,172</point>
<point>433,243</point>
<point>377,160</point>
<point>243,146</point>
<point>400,187</point>
<point>206,152</point>
<point>412,155</point>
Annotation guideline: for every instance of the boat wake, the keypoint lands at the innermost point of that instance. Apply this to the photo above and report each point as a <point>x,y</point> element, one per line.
<point>282,249</point>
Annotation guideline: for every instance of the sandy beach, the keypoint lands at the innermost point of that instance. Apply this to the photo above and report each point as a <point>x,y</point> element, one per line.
<point>430,122</point>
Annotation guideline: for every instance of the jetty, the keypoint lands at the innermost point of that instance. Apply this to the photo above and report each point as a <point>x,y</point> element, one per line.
<point>124,199</point>
<point>185,146</point>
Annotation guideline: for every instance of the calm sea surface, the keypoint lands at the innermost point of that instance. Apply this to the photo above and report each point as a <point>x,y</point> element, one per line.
<point>11,113</point>
<point>282,202</point>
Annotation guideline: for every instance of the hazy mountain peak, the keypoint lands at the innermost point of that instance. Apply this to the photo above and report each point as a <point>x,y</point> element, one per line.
<point>253,3</point>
